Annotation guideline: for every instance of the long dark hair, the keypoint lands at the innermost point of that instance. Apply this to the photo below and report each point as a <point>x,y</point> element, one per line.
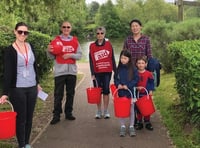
<point>130,66</point>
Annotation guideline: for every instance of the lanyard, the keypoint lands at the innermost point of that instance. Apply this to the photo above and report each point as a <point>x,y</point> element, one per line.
<point>25,56</point>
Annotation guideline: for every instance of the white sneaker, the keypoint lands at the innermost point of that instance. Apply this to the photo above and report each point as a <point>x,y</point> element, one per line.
<point>122,131</point>
<point>27,146</point>
<point>106,115</point>
<point>132,132</point>
<point>98,115</point>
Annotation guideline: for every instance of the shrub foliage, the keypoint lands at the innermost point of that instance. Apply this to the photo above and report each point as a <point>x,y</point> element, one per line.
<point>186,65</point>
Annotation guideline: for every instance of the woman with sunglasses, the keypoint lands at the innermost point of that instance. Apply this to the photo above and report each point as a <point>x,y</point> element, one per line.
<point>65,70</point>
<point>20,82</point>
<point>102,63</point>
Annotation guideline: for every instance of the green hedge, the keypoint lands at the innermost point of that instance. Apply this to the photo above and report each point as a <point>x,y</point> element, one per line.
<point>186,65</point>
<point>162,34</point>
<point>39,42</point>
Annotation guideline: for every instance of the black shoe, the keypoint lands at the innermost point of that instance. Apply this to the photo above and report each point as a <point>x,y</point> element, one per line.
<point>139,126</point>
<point>149,126</point>
<point>55,120</point>
<point>70,117</point>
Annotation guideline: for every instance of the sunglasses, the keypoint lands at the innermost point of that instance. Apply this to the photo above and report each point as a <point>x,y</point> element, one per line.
<point>99,33</point>
<point>66,27</point>
<point>22,32</point>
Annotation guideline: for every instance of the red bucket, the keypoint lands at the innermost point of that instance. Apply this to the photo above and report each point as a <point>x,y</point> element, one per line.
<point>7,124</point>
<point>145,105</point>
<point>94,95</point>
<point>122,106</point>
<point>113,88</point>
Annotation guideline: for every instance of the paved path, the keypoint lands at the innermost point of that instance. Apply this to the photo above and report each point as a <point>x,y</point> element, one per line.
<point>87,132</point>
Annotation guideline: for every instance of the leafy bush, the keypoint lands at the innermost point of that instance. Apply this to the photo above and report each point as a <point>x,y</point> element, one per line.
<point>40,42</point>
<point>186,30</point>
<point>158,31</point>
<point>162,34</point>
<point>186,65</point>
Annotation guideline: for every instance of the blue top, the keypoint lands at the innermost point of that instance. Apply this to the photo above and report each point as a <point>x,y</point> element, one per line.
<point>122,77</point>
<point>25,74</point>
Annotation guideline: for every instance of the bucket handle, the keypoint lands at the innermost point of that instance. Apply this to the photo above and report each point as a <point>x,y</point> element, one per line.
<point>10,105</point>
<point>96,83</point>
<point>124,89</point>
<point>145,91</point>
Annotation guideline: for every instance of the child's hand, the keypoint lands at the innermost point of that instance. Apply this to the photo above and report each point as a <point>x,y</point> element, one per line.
<point>133,100</point>
<point>3,99</point>
<point>120,86</point>
<point>139,88</point>
<point>125,87</point>
<point>151,96</point>
<point>150,93</point>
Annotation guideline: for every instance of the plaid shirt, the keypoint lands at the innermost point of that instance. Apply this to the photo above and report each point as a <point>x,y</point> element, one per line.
<point>139,48</point>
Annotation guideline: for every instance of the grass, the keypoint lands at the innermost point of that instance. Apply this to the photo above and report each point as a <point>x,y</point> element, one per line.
<point>183,134</point>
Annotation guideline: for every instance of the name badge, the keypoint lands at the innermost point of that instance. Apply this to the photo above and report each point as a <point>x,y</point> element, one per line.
<point>25,73</point>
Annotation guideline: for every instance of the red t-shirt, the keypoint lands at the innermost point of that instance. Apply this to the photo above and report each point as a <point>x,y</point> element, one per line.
<point>143,79</point>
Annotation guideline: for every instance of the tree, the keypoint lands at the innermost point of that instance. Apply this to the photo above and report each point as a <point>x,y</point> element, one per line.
<point>129,9</point>
<point>92,10</point>
<point>107,17</point>
<point>159,10</point>
<point>191,12</point>
<point>43,15</point>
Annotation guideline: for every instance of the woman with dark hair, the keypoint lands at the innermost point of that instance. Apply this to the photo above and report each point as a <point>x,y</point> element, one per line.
<point>21,83</point>
<point>137,43</point>
<point>125,79</point>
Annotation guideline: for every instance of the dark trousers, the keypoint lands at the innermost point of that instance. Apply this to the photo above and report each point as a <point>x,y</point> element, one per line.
<point>69,82</point>
<point>23,101</point>
<point>139,116</point>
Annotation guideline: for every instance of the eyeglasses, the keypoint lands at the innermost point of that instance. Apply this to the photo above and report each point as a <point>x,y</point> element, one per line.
<point>100,33</point>
<point>22,32</point>
<point>66,27</point>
